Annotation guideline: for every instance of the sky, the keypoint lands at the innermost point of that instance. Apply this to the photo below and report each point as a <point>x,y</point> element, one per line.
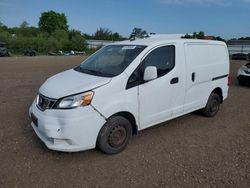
<point>225,18</point>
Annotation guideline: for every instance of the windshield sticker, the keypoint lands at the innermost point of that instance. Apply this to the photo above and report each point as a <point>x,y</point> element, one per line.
<point>128,47</point>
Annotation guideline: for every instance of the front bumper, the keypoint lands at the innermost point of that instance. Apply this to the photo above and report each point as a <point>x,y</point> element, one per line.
<point>244,78</point>
<point>67,130</point>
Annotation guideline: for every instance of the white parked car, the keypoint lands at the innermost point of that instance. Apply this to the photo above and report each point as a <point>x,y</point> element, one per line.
<point>129,86</point>
<point>244,74</point>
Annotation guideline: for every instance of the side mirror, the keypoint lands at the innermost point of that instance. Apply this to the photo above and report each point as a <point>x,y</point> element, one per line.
<point>150,73</point>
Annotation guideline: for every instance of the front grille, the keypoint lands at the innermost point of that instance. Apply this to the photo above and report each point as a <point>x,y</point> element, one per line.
<point>44,103</point>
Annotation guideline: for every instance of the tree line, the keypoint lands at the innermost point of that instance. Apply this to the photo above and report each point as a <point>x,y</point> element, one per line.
<point>53,34</point>
<point>201,35</point>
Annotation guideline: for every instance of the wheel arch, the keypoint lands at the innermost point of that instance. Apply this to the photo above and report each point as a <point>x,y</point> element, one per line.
<point>130,117</point>
<point>219,91</point>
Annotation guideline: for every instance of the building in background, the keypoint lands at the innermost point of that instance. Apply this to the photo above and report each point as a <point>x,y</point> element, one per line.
<point>94,44</point>
<point>234,46</point>
<point>238,46</point>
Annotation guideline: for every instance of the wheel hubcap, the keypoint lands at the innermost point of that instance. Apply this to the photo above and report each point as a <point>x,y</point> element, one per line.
<point>214,106</point>
<point>117,136</point>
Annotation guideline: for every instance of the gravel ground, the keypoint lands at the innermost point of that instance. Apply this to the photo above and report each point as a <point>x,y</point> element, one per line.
<point>190,151</point>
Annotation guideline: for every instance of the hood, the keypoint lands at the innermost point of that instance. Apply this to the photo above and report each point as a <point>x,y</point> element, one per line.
<point>71,82</point>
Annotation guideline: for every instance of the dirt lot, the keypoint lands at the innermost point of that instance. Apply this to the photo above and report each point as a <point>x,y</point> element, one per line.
<point>190,151</point>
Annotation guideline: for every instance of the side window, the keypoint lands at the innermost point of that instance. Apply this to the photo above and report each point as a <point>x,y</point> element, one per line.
<point>163,58</point>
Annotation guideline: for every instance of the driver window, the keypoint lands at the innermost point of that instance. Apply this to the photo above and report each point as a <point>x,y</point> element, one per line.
<point>163,58</point>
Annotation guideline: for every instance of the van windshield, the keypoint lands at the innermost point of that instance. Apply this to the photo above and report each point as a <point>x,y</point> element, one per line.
<point>111,60</point>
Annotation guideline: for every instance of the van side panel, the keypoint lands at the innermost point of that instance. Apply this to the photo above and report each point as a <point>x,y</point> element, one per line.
<point>207,66</point>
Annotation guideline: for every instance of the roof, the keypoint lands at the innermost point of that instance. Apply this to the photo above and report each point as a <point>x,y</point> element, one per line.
<point>238,42</point>
<point>151,39</point>
<point>162,38</point>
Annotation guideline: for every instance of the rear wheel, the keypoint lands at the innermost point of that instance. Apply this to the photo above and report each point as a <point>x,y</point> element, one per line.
<point>213,105</point>
<point>115,135</point>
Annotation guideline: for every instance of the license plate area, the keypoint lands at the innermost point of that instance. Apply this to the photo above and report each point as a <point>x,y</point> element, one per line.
<point>34,119</point>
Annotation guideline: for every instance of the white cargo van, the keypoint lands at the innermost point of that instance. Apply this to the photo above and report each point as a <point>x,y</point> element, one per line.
<point>126,87</point>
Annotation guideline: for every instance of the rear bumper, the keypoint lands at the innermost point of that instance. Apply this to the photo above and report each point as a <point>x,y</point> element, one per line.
<point>67,130</point>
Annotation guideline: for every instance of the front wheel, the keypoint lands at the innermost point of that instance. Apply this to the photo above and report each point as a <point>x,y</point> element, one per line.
<point>213,105</point>
<point>115,135</point>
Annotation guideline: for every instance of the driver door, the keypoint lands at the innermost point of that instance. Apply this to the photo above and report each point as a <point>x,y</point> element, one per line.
<point>157,98</point>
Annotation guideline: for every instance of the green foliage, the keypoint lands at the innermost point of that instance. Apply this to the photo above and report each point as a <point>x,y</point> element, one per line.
<point>244,38</point>
<point>102,34</point>
<point>200,35</point>
<point>5,36</point>
<point>105,34</point>
<point>138,33</point>
<point>24,31</point>
<point>51,21</point>
<point>116,36</point>
<point>52,35</point>
<point>60,35</point>
<point>3,27</point>
<point>90,51</point>
<point>76,43</point>
<point>72,33</point>
<point>19,39</point>
<point>220,39</point>
<point>187,36</point>
<point>24,24</point>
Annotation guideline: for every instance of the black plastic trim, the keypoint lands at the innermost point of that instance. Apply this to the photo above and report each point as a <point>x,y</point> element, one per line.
<point>137,72</point>
<point>220,77</point>
<point>174,80</point>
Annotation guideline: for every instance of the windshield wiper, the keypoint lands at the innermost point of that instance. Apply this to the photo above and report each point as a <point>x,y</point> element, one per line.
<point>90,71</point>
<point>94,72</point>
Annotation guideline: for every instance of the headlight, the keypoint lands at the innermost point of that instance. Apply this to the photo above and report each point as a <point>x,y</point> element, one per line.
<point>75,101</point>
<point>37,99</point>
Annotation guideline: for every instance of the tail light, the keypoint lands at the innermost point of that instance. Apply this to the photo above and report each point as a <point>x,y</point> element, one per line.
<point>229,80</point>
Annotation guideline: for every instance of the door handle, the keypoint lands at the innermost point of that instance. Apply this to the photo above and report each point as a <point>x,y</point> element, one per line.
<point>174,80</point>
<point>193,76</point>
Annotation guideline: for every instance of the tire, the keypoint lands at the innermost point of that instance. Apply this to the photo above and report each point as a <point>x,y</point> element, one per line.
<point>213,105</point>
<point>241,82</point>
<point>115,135</point>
